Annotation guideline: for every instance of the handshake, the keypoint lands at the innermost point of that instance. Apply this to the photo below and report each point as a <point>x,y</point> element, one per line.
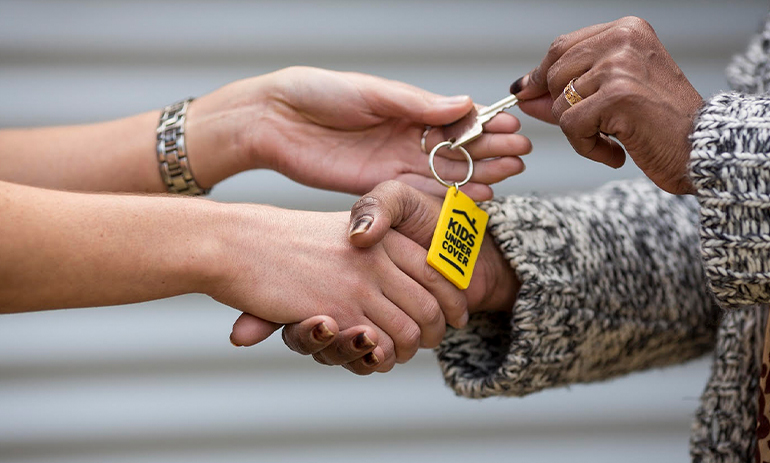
<point>356,292</point>
<point>367,300</point>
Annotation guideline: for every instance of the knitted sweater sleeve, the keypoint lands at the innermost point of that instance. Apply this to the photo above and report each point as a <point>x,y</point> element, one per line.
<point>730,169</point>
<point>611,283</point>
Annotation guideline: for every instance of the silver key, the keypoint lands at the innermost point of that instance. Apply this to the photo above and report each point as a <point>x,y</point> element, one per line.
<point>471,126</point>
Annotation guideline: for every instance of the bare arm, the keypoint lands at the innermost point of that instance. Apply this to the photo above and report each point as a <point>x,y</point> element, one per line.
<point>119,155</point>
<point>63,249</point>
<point>339,131</point>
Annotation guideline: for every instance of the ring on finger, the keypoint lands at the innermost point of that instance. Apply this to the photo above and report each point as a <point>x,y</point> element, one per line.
<point>424,139</point>
<point>572,96</point>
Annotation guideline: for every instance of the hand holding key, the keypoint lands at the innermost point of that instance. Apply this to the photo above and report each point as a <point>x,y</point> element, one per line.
<point>349,132</point>
<point>617,79</point>
<point>498,139</point>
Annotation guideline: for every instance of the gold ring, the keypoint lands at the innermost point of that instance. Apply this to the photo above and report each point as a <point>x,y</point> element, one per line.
<point>572,96</point>
<point>424,139</point>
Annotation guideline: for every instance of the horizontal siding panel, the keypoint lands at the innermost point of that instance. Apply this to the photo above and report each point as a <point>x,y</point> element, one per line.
<point>159,381</point>
<point>161,376</point>
<point>399,29</point>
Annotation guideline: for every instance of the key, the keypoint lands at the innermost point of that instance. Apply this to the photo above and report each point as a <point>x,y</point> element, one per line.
<point>471,126</point>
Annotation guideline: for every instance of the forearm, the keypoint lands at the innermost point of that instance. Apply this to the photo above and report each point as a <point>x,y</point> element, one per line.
<point>120,155</point>
<point>62,249</point>
<point>110,156</point>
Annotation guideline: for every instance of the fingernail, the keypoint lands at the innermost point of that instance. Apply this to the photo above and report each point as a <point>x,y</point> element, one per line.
<point>361,225</point>
<point>370,359</point>
<point>362,342</point>
<point>455,100</point>
<point>322,333</point>
<point>234,343</point>
<point>517,86</point>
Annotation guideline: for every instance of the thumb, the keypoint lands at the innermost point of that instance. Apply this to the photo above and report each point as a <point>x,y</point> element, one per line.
<point>399,100</point>
<point>249,330</point>
<point>395,205</point>
<point>442,110</point>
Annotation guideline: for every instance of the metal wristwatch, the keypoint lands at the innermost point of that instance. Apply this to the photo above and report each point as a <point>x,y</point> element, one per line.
<point>172,154</point>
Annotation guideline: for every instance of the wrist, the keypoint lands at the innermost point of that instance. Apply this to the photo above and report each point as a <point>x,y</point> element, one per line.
<point>224,129</point>
<point>239,236</point>
<point>195,251</point>
<point>500,285</point>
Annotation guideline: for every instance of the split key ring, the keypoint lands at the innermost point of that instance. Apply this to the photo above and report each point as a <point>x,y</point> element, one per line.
<point>447,144</point>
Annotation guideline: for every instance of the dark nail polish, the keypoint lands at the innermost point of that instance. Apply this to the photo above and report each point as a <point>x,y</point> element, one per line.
<point>362,342</point>
<point>517,86</point>
<point>361,225</point>
<point>370,359</point>
<point>322,333</point>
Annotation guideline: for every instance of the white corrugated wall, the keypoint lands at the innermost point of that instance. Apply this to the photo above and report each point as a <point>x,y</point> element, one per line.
<point>160,381</point>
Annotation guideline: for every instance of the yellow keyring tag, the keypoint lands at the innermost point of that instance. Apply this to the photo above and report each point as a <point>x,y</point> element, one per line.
<point>460,230</point>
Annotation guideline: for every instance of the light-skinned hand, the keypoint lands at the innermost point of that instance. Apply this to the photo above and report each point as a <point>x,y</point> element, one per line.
<point>345,132</point>
<point>392,206</point>
<point>307,267</point>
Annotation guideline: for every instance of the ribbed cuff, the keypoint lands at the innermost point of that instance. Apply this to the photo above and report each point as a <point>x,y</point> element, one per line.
<point>611,283</point>
<point>730,169</point>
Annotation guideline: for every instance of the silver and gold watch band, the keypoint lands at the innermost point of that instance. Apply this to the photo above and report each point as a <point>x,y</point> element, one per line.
<point>172,153</point>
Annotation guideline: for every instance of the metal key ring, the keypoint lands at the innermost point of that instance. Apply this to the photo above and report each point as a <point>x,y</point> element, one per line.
<point>433,168</point>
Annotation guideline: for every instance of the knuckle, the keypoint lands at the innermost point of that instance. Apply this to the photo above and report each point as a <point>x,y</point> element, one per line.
<point>558,46</point>
<point>294,342</point>
<point>620,127</point>
<point>623,61</point>
<point>621,90</point>
<point>358,287</point>
<point>392,187</point>
<point>631,29</point>
<point>365,204</point>
<point>431,275</point>
<point>553,85</point>
<point>636,23</point>
<point>409,342</point>
<point>432,314</point>
<point>567,125</point>
<point>387,364</point>
<point>624,34</point>
<point>605,70</point>
<point>536,76</point>
<point>412,338</point>
<point>553,71</point>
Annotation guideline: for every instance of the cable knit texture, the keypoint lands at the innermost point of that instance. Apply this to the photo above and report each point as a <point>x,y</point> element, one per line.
<point>730,168</point>
<point>611,283</point>
<point>630,277</point>
<point>724,427</point>
<point>731,171</point>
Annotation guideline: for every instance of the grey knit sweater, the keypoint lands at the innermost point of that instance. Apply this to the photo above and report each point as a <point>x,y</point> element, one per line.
<point>630,277</point>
